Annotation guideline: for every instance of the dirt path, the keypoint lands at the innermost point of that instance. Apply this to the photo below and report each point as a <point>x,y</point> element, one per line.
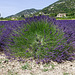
<point>31,68</point>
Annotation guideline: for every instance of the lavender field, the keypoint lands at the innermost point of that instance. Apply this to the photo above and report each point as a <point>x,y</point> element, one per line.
<point>68,26</point>
<point>41,37</point>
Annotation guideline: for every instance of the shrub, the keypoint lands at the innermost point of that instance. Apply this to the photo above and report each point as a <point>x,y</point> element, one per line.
<point>40,38</point>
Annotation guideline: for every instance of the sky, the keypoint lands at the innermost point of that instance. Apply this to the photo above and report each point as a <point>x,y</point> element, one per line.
<point>11,7</point>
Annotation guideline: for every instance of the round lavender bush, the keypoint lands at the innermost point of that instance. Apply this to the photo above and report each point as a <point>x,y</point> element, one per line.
<point>40,38</point>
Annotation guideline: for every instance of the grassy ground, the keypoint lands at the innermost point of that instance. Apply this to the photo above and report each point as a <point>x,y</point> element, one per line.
<point>65,18</point>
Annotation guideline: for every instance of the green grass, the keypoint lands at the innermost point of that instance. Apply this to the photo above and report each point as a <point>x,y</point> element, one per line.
<point>65,18</point>
<point>65,73</point>
<point>26,66</point>
<point>45,69</point>
<point>52,66</point>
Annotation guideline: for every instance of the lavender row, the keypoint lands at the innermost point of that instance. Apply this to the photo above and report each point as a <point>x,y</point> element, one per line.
<point>68,27</point>
<point>47,42</point>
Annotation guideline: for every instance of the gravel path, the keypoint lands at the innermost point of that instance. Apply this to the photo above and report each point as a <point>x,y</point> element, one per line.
<point>31,68</point>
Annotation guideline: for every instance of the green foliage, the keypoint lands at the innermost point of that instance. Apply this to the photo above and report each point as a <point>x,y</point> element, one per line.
<point>53,15</point>
<point>22,16</point>
<point>45,69</point>
<point>38,38</point>
<point>48,67</point>
<point>3,18</point>
<point>1,26</point>
<point>52,66</point>
<point>71,14</point>
<point>61,6</point>
<point>26,66</point>
<point>65,73</point>
<point>65,18</point>
<point>32,73</point>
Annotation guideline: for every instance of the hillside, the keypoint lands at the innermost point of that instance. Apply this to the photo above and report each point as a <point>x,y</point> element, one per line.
<point>61,6</point>
<point>25,12</point>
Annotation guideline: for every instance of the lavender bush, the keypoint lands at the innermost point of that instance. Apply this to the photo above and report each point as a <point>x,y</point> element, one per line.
<point>37,37</point>
<point>68,27</point>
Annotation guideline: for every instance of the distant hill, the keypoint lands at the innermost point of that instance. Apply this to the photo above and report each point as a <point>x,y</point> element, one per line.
<point>61,6</point>
<point>25,12</point>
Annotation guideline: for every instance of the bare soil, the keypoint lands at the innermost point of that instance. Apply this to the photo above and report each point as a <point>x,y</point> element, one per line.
<point>15,67</point>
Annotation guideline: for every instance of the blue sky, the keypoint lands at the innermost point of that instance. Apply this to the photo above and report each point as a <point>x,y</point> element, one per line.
<point>11,7</point>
